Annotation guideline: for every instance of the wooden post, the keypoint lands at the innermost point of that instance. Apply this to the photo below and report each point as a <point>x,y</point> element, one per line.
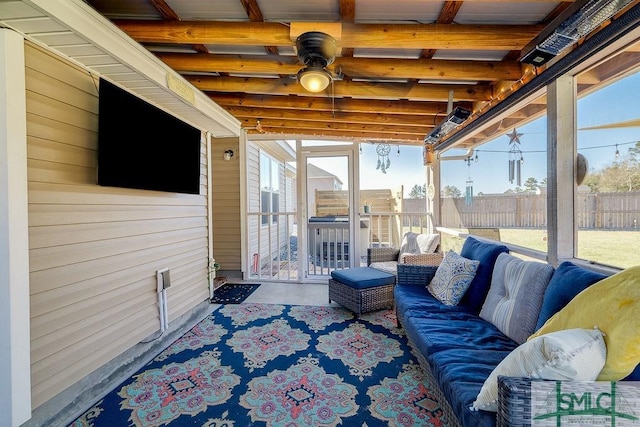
<point>561,165</point>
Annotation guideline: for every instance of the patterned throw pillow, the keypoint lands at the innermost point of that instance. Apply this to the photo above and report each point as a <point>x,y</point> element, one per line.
<point>452,278</point>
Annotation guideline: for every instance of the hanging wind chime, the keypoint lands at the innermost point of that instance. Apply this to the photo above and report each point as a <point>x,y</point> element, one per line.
<point>383,149</point>
<point>515,158</point>
<point>468,195</point>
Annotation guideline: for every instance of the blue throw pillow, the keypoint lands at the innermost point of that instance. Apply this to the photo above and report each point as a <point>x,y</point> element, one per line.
<point>567,281</point>
<point>634,376</point>
<point>486,253</point>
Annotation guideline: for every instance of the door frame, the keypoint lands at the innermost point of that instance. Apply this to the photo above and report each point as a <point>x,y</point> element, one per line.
<point>303,153</point>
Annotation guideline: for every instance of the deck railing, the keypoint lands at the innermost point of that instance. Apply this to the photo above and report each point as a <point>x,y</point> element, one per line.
<point>274,244</point>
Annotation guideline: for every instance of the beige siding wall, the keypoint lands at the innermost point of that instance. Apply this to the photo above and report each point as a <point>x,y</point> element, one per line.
<point>94,251</point>
<point>227,248</point>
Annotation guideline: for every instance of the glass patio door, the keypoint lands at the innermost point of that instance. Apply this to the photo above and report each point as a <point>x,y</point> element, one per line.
<point>327,210</point>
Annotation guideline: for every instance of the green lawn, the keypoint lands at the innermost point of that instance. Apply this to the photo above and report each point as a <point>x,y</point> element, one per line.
<point>615,248</point>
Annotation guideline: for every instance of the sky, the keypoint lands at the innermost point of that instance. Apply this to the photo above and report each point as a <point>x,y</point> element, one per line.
<point>490,173</point>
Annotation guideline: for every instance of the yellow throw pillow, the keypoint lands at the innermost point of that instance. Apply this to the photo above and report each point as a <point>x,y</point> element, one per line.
<point>613,305</point>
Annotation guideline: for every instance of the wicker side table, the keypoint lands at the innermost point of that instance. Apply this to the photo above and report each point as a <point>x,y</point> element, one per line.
<point>362,289</point>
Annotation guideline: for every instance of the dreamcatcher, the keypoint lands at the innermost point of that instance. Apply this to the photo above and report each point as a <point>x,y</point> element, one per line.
<point>515,158</point>
<point>383,149</point>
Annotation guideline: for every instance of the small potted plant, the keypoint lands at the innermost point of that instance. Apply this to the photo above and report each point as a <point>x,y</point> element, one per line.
<point>367,207</point>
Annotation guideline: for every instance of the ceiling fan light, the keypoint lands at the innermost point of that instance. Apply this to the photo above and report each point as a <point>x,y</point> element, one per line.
<point>314,79</point>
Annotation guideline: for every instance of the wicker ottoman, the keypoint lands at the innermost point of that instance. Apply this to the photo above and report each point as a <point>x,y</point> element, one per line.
<point>362,289</point>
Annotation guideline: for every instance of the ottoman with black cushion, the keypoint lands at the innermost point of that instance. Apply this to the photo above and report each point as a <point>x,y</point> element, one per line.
<point>362,289</point>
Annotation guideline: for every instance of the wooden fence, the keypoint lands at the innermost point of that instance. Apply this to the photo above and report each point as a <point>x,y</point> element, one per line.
<point>595,211</point>
<point>384,228</point>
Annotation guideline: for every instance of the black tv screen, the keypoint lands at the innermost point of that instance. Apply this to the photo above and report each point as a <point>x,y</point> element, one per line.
<point>141,146</point>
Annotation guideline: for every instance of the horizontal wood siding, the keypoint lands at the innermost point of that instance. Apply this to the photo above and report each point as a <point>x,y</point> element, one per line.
<point>94,251</point>
<point>225,190</point>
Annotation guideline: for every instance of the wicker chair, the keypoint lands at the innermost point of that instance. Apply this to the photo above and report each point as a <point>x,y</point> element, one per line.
<point>386,259</point>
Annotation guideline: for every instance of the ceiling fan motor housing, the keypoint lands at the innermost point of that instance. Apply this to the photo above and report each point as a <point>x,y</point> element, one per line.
<point>316,49</point>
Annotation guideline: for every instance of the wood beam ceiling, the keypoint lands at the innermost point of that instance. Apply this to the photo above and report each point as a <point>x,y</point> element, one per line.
<point>379,68</point>
<point>394,98</point>
<point>372,36</point>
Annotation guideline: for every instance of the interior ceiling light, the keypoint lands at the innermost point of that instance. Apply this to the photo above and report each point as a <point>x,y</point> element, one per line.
<point>452,121</point>
<point>316,51</point>
<point>576,22</point>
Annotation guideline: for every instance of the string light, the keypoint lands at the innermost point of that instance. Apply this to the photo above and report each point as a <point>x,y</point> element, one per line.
<point>617,152</point>
<point>579,149</point>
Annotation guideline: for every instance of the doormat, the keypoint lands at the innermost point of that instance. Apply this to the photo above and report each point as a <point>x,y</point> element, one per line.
<point>233,293</point>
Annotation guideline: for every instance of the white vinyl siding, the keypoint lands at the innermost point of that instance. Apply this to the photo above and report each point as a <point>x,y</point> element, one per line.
<point>94,251</point>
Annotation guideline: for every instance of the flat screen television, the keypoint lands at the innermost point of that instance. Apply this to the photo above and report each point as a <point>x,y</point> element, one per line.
<point>141,146</point>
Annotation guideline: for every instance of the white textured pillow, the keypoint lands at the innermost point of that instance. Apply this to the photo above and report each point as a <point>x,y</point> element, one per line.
<point>570,354</point>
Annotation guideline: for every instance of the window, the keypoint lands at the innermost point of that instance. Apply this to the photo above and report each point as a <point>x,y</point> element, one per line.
<point>500,192</point>
<point>608,199</point>
<point>269,188</point>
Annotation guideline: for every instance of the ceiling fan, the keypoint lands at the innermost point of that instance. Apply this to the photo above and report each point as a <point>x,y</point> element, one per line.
<point>316,50</point>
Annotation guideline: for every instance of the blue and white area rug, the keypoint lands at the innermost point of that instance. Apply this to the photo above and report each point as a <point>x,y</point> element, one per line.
<point>277,365</point>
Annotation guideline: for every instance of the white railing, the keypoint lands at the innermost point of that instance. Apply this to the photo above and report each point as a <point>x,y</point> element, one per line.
<point>328,247</point>
<point>385,229</point>
<point>273,245</point>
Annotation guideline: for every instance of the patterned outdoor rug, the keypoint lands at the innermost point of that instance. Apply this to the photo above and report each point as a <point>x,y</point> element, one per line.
<point>277,365</point>
<point>233,293</point>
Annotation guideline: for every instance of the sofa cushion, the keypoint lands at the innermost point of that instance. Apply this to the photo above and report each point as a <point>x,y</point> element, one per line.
<point>515,296</point>
<point>461,348</point>
<point>613,305</point>
<point>452,279</point>
<point>567,281</point>
<point>417,301</point>
<point>486,253</point>
<point>363,277</point>
<point>572,354</point>
<point>460,373</point>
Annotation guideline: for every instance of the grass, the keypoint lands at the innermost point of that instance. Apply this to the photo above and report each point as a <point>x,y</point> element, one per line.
<point>615,248</point>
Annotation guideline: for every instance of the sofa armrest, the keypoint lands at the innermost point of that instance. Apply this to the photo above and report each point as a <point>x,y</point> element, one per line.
<point>382,254</point>
<point>415,275</point>
<point>422,259</point>
<point>515,397</point>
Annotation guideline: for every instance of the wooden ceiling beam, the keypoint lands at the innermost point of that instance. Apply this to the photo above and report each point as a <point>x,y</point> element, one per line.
<point>415,139</point>
<point>378,36</point>
<point>285,124</point>
<point>327,104</point>
<point>386,68</point>
<point>254,13</point>
<point>327,116</point>
<point>370,90</point>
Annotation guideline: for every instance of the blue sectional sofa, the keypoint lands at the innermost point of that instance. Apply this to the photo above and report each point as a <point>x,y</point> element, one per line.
<point>457,346</point>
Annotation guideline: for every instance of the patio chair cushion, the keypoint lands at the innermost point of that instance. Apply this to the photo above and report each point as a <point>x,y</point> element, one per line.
<point>363,277</point>
<point>452,278</point>
<point>515,295</point>
<point>414,243</point>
